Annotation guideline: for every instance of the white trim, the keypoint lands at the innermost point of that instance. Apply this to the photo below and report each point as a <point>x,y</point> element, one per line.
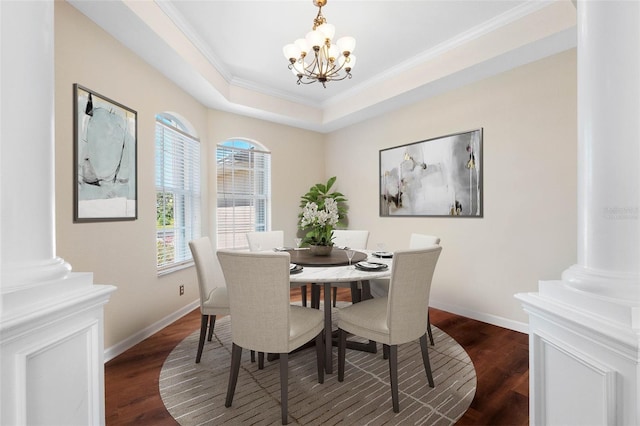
<point>482,316</point>
<point>182,24</point>
<point>138,337</point>
<point>174,267</point>
<point>502,20</point>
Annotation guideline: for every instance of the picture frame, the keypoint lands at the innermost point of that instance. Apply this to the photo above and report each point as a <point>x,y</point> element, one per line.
<point>438,177</point>
<point>105,158</point>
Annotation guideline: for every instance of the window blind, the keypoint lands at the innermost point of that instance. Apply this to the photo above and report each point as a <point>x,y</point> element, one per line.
<point>244,193</point>
<point>177,196</point>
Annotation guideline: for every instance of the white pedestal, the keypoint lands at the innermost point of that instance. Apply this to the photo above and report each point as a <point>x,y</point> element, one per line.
<point>584,357</point>
<point>51,344</point>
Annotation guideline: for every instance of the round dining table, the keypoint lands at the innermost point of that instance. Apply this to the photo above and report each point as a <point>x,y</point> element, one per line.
<point>335,268</point>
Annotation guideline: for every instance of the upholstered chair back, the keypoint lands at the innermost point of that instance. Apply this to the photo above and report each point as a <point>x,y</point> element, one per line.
<point>354,239</point>
<point>258,288</point>
<point>422,241</point>
<point>205,260</point>
<point>409,290</point>
<point>268,240</point>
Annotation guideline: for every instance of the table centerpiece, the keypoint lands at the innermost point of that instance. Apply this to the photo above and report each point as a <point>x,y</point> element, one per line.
<point>321,212</point>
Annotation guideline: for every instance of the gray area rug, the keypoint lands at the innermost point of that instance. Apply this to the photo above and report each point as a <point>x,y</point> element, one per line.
<point>194,394</point>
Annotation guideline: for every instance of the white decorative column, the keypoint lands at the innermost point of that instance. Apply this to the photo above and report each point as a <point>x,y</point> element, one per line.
<point>51,320</point>
<point>584,331</point>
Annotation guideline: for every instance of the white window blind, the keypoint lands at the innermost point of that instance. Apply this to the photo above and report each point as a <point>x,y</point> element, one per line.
<point>244,192</point>
<point>177,195</point>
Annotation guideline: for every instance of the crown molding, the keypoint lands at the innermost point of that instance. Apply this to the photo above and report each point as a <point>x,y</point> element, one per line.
<point>180,22</point>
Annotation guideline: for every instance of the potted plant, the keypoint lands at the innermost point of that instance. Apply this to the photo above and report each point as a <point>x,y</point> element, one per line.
<point>321,212</point>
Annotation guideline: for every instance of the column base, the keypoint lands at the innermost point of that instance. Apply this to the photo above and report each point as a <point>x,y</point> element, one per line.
<point>27,274</point>
<point>612,285</point>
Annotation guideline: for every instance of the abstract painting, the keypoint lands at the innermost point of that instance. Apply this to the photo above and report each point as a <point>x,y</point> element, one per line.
<point>105,154</point>
<point>435,177</point>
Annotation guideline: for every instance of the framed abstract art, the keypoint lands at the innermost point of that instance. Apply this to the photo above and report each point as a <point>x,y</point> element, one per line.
<point>439,177</point>
<point>105,158</point>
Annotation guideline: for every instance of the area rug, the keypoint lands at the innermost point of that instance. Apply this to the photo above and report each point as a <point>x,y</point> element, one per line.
<point>194,394</point>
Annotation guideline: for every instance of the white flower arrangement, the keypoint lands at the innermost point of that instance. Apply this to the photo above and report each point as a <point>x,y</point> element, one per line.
<point>321,221</point>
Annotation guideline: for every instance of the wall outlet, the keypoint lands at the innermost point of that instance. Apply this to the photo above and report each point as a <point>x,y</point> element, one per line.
<point>181,289</point>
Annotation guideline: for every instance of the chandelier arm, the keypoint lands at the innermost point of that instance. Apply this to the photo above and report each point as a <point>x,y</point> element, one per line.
<point>300,81</point>
<point>314,69</point>
<point>314,72</point>
<point>335,70</point>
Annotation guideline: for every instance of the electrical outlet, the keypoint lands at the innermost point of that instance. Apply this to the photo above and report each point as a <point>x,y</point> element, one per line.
<point>181,289</point>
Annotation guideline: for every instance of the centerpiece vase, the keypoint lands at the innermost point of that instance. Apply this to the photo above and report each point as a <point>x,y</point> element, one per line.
<point>320,250</point>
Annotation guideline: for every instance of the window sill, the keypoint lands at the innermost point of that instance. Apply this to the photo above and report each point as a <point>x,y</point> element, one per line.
<point>174,268</point>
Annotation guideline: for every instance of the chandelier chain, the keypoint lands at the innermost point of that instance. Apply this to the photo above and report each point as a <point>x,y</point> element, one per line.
<point>319,19</point>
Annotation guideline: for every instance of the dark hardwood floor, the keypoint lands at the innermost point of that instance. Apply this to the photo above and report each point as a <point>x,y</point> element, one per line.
<point>500,357</point>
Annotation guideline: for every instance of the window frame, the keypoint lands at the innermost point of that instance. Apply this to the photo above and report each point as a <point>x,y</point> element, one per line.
<point>231,234</point>
<point>184,182</point>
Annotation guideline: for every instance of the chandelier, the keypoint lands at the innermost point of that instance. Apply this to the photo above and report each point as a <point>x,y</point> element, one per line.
<point>315,58</point>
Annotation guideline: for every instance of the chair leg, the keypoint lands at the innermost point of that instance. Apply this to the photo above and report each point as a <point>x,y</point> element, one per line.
<point>385,351</point>
<point>303,291</point>
<point>342,349</point>
<point>236,354</point>
<point>260,360</point>
<point>253,356</point>
<point>203,332</point>
<point>355,292</point>
<point>315,296</point>
<point>335,296</point>
<point>393,376</point>
<point>366,290</point>
<point>212,324</point>
<point>425,359</point>
<point>320,356</point>
<point>429,330</point>
<point>284,386</point>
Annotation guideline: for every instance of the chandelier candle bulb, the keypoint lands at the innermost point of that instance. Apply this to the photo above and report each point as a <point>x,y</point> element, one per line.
<point>346,44</point>
<point>327,30</point>
<point>315,39</point>
<point>316,58</point>
<point>291,51</point>
<point>302,45</point>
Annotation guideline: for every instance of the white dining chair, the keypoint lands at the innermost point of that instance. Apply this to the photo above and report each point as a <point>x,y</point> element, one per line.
<point>380,287</point>
<point>265,240</point>
<point>423,240</point>
<point>213,299</point>
<point>269,240</point>
<point>262,319</point>
<point>357,240</point>
<point>399,318</point>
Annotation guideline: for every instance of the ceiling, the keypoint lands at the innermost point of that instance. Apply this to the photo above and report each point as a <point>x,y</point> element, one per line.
<point>228,54</point>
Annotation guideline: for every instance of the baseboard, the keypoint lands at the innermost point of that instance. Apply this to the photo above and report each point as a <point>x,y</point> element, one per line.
<point>481,316</point>
<point>133,340</point>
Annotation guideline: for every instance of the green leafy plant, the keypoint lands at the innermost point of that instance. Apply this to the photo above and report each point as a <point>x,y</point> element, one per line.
<point>321,212</point>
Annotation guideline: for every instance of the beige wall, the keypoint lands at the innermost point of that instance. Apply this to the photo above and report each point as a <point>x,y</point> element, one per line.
<point>124,253</point>
<point>119,253</point>
<point>528,231</point>
<point>297,162</point>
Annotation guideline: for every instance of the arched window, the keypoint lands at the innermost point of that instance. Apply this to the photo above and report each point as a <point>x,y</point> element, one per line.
<point>244,191</point>
<point>177,192</point>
